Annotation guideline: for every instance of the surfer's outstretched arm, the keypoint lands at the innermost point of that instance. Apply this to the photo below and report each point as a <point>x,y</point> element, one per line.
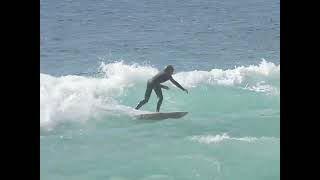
<point>178,85</point>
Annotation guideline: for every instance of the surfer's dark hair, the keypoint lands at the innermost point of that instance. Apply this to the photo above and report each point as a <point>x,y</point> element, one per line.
<point>169,67</point>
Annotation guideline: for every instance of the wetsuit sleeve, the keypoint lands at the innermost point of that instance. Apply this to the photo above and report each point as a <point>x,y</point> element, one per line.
<point>176,83</point>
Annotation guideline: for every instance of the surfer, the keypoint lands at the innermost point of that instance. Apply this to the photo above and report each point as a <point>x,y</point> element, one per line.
<point>155,84</point>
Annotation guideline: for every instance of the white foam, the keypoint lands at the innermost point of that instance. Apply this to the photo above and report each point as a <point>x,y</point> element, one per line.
<point>79,98</point>
<point>122,73</point>
<point>264,88</point>
<point>241,76</point>
<point>208,139</point>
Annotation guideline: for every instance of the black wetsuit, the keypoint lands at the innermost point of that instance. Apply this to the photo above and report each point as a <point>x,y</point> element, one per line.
<point>155,84</point>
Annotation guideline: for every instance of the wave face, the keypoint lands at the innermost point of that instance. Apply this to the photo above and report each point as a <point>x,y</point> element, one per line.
<point>118,87</point>
<point>232,126</point>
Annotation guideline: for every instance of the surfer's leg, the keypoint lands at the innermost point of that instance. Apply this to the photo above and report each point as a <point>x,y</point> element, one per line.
<point>158,91</point>
<point>146,96</point>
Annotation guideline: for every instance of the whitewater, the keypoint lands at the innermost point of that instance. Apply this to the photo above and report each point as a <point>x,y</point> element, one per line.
<point>117,87</point>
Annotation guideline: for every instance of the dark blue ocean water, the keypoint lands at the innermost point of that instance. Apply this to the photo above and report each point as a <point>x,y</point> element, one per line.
<point>191,34</point>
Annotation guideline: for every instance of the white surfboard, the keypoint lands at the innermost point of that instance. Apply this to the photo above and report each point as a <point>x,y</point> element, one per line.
<point>161,115</point>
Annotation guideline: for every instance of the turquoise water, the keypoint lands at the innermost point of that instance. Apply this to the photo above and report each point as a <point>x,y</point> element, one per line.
<point>96,57</point>
<point>232,129</point>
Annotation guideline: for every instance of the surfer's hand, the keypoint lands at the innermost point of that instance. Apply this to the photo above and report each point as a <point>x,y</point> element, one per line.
<point>186,91</point>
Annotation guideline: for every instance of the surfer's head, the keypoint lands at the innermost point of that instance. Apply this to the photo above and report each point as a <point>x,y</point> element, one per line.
<point>169,69</point>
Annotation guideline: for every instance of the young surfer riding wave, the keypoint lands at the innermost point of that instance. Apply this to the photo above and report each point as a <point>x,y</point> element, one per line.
<point>155,84</point>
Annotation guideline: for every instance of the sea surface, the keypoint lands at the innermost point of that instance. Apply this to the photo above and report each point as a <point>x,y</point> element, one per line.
<point>96,57</point>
